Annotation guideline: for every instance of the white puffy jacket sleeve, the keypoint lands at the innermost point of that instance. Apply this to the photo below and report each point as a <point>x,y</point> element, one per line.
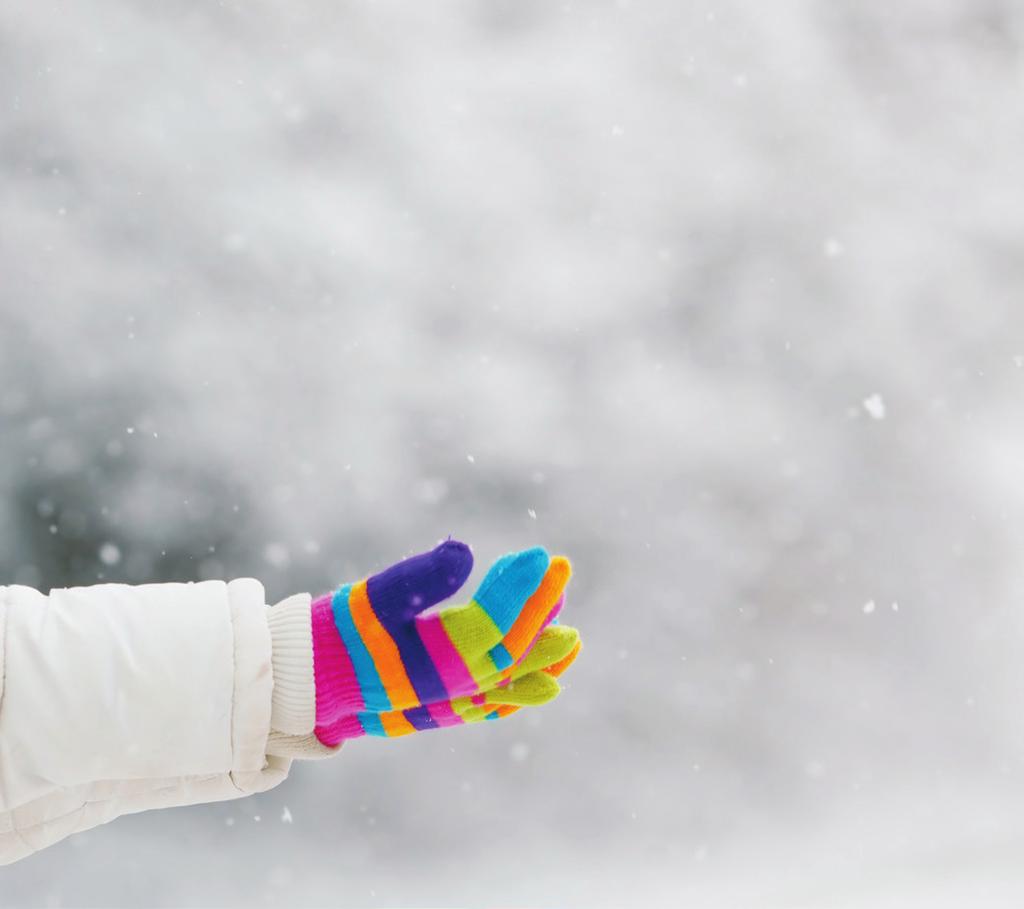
<point>115,699</point>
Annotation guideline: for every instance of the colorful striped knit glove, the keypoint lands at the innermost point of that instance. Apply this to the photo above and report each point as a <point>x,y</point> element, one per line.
<point>530,683</point>
<point>386,663</point>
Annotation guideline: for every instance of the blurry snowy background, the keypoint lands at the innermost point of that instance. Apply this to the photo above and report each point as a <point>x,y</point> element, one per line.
<point>726,301</point>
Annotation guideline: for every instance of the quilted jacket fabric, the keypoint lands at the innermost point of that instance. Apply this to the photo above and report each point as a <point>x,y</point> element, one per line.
<point>116,699</point>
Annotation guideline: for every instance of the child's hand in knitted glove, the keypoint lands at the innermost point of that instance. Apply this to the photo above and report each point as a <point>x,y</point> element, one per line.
<point>388,663</point>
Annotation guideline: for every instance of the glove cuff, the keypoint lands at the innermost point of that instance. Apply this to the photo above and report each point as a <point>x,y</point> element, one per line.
<point>337,689</point>
<point>293,710</point>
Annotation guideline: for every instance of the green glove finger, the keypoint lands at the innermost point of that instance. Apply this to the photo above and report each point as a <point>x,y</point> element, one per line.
<point>529,691</point>
<point>554,644</point>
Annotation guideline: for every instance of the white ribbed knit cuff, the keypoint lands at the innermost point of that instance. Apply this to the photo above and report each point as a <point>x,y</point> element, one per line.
<point>293,709</point>
<point>300,747</point>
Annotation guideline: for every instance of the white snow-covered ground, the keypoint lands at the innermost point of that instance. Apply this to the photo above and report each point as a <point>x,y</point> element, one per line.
<point>726,301</point>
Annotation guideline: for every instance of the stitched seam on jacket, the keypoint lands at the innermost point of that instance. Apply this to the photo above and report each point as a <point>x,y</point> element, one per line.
<point>53,820</point>
<point>234,681</point>
<point>24,842</point>
<point>4,598</point>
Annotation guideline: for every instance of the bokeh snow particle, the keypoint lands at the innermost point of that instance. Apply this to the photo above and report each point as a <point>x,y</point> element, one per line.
<point>431,490</point>
<point>276,554</point>
<point>875,406</point>
<point>832,248</point>
<point>110,554</point>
